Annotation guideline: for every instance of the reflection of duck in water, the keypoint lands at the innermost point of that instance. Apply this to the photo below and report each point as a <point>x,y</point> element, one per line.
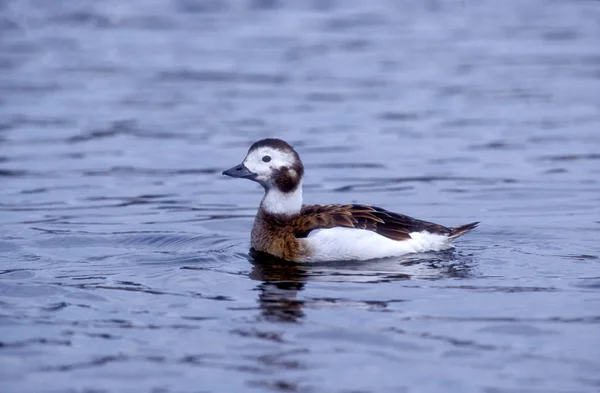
<point>282,281</point>
<point>288,230</point>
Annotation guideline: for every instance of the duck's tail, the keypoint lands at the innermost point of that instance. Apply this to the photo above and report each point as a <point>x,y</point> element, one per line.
<point>461,230</point>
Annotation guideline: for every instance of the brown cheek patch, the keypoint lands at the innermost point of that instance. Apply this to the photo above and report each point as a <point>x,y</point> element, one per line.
<point>286,179</point>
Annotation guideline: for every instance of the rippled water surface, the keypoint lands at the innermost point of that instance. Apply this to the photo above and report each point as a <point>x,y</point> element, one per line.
<point>124,261</point>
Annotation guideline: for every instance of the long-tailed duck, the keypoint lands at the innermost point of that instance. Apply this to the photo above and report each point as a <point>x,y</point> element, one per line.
<point>286,229</point>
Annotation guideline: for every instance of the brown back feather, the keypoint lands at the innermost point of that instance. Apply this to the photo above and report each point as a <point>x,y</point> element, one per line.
<point>391,225</point>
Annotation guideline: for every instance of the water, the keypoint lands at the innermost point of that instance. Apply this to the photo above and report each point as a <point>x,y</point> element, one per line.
<point>124,253</point>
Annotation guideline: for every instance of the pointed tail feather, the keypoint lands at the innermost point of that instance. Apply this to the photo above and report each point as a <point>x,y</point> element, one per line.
<point>461,230</point>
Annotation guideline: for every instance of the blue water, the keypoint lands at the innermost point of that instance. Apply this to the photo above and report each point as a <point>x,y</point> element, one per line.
<point>124,261</point>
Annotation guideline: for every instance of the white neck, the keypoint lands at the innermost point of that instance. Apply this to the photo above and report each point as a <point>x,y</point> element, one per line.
<point>277,202</point>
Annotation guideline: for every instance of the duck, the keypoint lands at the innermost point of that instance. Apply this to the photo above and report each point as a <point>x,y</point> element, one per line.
<point>287,229</point>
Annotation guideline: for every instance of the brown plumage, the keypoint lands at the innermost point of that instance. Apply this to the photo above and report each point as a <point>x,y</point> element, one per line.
<point>391,225</point>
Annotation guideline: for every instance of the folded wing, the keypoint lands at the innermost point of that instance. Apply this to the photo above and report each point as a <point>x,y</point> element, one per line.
<point>391,225</point>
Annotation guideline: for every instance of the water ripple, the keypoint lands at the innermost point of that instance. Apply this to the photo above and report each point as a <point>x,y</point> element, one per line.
<point>125,253</point>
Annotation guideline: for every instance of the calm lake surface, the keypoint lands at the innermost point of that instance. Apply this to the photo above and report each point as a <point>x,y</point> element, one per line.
<point>124,261</point>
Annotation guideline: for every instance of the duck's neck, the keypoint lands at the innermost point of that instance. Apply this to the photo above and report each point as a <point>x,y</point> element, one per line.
<point>287,203</point>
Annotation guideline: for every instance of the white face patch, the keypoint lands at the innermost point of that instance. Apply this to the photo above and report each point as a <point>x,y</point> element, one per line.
<point>278,159</point>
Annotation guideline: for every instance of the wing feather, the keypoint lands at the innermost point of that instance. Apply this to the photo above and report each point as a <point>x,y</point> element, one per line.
<point>391,225</point>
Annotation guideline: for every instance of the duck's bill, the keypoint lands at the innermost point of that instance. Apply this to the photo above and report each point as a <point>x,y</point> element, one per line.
<point>239,171</point>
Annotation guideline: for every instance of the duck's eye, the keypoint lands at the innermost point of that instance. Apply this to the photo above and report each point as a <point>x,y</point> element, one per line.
<point>266,158</point>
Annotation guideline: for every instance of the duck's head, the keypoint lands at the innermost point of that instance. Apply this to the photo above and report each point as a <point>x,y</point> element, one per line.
<point>272,163</point>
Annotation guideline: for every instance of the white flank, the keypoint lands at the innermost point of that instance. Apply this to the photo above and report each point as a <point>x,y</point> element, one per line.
<point>277,202</point>
<point>336,244</point>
